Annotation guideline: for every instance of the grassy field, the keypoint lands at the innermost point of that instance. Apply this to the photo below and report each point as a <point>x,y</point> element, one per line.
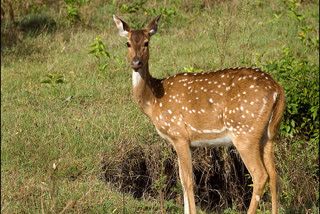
<point>82,155</point>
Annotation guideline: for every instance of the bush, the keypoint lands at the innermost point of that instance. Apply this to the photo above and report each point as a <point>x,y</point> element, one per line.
<point>300,81</point>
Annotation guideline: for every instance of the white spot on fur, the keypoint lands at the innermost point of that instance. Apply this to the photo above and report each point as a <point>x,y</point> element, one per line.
<point>275,94</point>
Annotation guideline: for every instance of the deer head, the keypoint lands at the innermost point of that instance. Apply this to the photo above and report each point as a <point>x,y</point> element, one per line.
<point>138,41</point>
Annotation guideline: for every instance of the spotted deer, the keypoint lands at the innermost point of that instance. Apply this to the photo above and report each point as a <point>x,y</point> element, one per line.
<point>236,106</point>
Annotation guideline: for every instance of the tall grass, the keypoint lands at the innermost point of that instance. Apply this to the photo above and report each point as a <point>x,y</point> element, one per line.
<point>95,152</point>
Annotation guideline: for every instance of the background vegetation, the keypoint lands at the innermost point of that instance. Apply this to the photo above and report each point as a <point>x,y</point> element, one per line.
<point>73,140</point>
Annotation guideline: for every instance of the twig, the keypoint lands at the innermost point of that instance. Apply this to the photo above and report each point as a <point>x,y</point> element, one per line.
<point>66,207</point>
<point>124,203</point>
<point>41,201</point>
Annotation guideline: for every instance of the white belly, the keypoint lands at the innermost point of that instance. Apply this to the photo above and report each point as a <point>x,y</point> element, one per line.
<point>222,141</point>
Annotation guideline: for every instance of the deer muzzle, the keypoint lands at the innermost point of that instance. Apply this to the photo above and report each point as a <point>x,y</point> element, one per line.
<point>136,63</point>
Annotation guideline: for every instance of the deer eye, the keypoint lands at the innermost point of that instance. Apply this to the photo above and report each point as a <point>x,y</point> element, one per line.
<point>146,44</point>
<point>128,44</point>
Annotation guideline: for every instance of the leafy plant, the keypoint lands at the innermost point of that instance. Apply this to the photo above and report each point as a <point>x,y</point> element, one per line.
<point>169,15</point>
<point>98,50</point>
<point>300,81</point>
<point>292,11</point>
<point>309,35</point>
<point>191,70</point>
<point>308,39</point>
<point>230,210</point>
<point>132,7</point>
<point>53,80</point>
<point>72,13</point>
<point>72,10</point>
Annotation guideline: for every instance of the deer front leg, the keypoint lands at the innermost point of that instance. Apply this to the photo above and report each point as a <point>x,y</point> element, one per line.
<point>185,171</point>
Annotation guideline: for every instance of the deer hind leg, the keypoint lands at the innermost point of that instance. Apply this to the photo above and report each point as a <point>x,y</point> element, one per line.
<point>185,171</point>
<point>268,156</point>
<point>251,156</point>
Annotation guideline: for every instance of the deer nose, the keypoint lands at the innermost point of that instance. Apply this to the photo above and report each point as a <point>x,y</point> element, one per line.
<point>136,62</point>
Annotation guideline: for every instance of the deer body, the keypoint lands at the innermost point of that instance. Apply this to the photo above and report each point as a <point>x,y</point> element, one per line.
<point>238,106</point>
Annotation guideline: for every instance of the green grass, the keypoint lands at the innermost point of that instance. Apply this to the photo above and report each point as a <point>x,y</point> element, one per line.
<point>39,129</point>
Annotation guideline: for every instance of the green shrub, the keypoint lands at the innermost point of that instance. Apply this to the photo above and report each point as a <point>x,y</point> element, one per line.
<point>99,51</point>
<point>300,81</point>
<point>72,10</point>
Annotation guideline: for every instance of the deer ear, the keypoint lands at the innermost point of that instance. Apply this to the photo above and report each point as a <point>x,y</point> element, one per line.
<point>123,27</point>
<point>153,25</point>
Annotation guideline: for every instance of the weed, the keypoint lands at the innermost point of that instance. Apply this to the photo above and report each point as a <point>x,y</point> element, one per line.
<point>308,34</point>
<point>221,38</point>
<point>99,51</point>
<point>230,210</point>
<point>132,7</point>
<point>53,80</point>
<point>191,70</point>
<point>72,10</point>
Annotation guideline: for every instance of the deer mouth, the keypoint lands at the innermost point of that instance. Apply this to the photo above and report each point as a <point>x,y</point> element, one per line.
<point>136,67</point>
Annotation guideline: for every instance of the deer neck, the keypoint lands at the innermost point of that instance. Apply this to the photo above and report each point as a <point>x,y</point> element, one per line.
<point>143,91</point>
